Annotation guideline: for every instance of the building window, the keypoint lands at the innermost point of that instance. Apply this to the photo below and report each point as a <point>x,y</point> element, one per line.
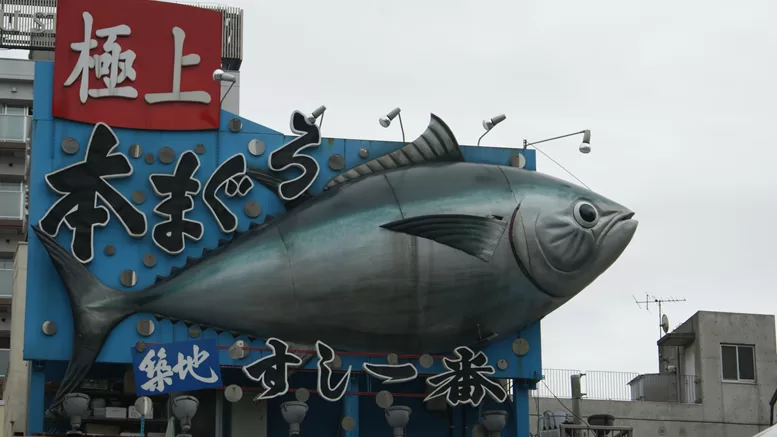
<point>738,362</point>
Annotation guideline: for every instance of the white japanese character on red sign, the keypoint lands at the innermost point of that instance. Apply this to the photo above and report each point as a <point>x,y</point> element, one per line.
<point>180,60</point>
<point>114,66</point>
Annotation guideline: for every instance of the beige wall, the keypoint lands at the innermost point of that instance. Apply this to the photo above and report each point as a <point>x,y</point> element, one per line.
<point>17,382</point>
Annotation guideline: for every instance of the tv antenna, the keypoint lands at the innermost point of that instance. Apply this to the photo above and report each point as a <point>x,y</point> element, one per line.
<point>663,320</point>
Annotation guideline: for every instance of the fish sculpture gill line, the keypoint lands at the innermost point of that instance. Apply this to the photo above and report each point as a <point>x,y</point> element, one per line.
<point>416,251</point>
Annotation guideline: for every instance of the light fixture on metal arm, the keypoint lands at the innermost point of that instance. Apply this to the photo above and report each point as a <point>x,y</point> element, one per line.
<point>490,123</point>
<point>585,146</point>
<point>385,121</point>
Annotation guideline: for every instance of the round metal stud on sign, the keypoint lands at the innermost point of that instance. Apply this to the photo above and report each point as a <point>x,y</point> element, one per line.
<point>384,399</point>
<point>253,209</point>
<point>128,278</point>
<point>661,430</point>
<point>140,346</point>
<point>166,155</point>
<point>149,260</point>
<point>145,327</point>
<point>502,364</point>
<point>363,152</point>
<point>69,145</point>
<point>520,347</point>
<point>348,423</point>
<point>302,394</point>
<point>235,125</point>
<point>233,393</point>
<point>49,327</point>
<point>336,162</point>
<point>109,250</point>
<point>144,405</point>
<point>194,331</point>
<point>138,197</point>
<point>237,351</point>
<point>135,151</point>
<point>199,149</point>
<point>517,160</point>
<point>256,147</point>
<point>426,361</point>
<point>392,359</point>
<point>149,158</point>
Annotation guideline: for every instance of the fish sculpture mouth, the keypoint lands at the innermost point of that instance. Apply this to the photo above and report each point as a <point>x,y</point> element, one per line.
<point>555,280</point>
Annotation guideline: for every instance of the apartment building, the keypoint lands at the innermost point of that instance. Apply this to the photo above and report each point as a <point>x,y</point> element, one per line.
<point>16,79</point>
<point>717,378</point>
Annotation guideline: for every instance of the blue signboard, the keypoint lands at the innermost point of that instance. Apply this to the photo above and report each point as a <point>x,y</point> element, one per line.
<point>176,367</point>
<point>119,217</point>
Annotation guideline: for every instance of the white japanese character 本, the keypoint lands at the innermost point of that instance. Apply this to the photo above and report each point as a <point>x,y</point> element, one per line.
<point>113,66</point>
<point>188,364</point>
<point>180,60</point>
<point>157,371</point>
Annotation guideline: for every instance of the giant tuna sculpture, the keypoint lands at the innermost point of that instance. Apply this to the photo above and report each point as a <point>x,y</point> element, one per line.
<point>412,252</point>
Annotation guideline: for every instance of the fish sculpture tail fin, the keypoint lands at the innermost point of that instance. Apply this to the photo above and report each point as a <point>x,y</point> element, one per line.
<point>97,309</point>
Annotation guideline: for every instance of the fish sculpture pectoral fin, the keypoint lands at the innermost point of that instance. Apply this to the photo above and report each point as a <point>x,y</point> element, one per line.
<point>97,309</point>
<point>477,236</point>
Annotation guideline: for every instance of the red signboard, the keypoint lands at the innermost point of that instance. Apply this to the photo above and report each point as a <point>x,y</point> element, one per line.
<point>138,64</point>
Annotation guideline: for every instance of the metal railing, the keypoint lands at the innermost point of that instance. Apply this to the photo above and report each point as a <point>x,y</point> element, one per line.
<point>14,128</point>
<point>620,386</point>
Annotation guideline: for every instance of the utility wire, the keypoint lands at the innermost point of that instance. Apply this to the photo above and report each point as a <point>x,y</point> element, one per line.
<point>562,167</point>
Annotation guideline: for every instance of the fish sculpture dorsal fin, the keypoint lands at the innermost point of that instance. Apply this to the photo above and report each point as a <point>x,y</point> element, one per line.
<point>436,144</point>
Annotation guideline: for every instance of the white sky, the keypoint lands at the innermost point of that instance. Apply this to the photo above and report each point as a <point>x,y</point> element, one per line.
<point>680,98</point>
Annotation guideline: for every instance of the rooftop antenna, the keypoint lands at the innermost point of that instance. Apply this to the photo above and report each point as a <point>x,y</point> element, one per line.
<point>663,320</point>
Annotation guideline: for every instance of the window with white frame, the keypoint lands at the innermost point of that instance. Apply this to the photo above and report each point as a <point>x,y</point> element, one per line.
<point>738,362</point>
<point>11,200</point>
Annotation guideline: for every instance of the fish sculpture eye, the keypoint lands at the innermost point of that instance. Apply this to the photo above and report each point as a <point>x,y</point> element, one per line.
<point>586,214</point>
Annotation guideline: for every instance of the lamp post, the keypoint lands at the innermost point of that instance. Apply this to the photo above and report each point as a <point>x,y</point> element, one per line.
<point>385,121</point>
<point>585,145</point>
<point>490,123</point>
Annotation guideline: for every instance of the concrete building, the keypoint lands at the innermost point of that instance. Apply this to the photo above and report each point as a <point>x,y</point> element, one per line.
<point>16,79</point>
<point>717,375</point>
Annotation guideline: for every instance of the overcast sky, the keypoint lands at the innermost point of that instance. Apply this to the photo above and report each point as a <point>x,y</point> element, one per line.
<point>680,98</point>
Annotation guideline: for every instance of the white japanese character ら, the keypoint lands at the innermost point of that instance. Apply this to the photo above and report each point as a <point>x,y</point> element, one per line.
<point>187,365</point>
<point>113,66</point>
<point>180,60</point>
<point>157,371</point>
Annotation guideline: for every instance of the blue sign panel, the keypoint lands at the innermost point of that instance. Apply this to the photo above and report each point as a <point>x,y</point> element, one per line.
<point>176,367</point>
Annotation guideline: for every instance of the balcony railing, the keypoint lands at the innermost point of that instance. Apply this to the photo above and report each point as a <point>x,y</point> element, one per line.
<point>620,386</point>
<point>14,128</point>
<point>11,201</point>
<point>5,356</point>
<point>6,279</point>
